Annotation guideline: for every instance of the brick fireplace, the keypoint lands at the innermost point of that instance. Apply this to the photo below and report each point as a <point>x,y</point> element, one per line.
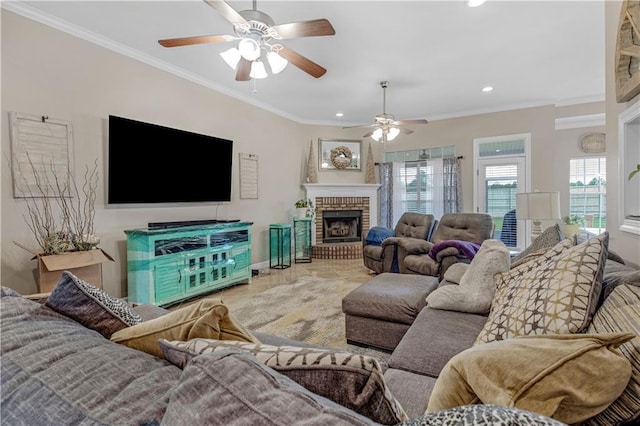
<point>343,212</point>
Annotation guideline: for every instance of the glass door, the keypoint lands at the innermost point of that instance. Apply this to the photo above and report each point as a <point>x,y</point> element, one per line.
<point>501,172</point>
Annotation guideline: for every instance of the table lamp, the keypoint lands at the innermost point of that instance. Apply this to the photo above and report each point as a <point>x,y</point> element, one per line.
<point>537,206</point>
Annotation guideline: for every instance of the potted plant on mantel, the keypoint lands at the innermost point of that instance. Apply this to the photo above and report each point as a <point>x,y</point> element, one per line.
<point>304,208</point>
<point>571,225</point>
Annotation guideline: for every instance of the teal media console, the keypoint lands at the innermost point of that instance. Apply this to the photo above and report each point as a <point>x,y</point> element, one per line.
<point>168,265</point>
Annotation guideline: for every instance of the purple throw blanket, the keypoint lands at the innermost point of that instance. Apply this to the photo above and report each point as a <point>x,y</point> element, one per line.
<point>468,249</point>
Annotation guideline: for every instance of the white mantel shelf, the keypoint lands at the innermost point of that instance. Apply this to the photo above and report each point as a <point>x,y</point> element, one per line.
<point>369,190</point>
<point>341,187</point>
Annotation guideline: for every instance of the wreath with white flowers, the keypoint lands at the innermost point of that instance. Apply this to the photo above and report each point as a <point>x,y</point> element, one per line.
<point>341,157</point>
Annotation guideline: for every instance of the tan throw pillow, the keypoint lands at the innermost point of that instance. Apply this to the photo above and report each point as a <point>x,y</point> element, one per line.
<point>476,287</point>
<point>455,272</point>
<point>556,293</point>
<point>548,239</point>
<point>569,377</point>
<point>621,312</point>
<point>208,318</point>
<point>351,380</point>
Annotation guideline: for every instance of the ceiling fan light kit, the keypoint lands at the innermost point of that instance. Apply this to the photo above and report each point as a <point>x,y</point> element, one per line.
<point>255,30</point>
<point>385,127</point>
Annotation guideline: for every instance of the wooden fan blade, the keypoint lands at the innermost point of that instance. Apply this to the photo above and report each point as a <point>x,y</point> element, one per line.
<point>243,70</point>
<point>186,41</point>
<point>366,135</point>
<point>316,27</point>
<point>305,64</point>
<point>360,125</point>
<point>227,12</point>
<point>405,131</point>
<point>403,122</point>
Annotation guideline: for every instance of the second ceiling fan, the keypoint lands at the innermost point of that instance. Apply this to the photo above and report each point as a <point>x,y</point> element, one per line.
<point>258,35</point>
<point>385,128</point>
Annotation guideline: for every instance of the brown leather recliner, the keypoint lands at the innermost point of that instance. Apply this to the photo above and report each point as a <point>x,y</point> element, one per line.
<point>382,257</point>
<point>413,255</point>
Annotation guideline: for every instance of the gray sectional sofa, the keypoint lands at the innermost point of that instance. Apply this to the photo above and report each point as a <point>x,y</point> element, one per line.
<point>438,335</point>
<point>57,371</point>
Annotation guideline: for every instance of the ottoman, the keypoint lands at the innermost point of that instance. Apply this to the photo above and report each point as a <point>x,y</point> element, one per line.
<point>380,311</point>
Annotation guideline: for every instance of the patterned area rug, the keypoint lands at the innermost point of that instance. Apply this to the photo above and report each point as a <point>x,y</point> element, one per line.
<point>308,310</point>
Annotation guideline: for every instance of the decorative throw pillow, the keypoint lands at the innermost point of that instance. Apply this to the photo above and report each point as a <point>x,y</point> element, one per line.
<point>556,293</point>
<point>91,306</point>
<point>455,272</point>
<point>580,376</point>
<point>351,380</point>
<point>8,292</point>
<point>233,388</point>
<point>548,239</point>
<point>614,279</point>
<point>476,289</point>
<point>621,312</point>
<point>207,318</point>
<point>482,415</point>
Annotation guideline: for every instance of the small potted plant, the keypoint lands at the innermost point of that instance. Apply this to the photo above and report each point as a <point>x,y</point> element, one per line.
<point>304,207</point>
<point>571,225</point>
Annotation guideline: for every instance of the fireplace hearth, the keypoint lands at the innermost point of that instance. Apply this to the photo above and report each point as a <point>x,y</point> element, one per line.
<point>340,226</point>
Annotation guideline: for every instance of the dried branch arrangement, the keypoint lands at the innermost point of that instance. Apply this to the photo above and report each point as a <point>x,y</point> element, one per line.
<point>63,222</point>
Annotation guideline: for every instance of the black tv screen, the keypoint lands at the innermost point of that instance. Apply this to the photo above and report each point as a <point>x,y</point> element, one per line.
<point>149,163</point>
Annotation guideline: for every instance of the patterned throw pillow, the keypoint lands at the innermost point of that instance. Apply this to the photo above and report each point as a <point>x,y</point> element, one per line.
<point>351,380</point>
<point>548,239</point>
<point>621,312</point>
<point>231,387</point>
<point>482,415</point>
<point>555,293</point>
<point>91,306</point>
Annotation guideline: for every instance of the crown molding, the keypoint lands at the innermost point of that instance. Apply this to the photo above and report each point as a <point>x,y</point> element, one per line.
<point>580,121</point>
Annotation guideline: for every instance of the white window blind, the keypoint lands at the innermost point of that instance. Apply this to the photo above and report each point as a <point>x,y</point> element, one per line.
<point>588,191</point>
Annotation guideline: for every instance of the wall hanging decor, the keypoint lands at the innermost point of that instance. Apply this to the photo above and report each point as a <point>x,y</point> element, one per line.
<point>338,154</point>
<point>627,65</point>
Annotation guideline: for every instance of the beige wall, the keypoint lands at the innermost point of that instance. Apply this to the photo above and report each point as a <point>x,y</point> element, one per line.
<point>47,72</point>
<point>622,242</point>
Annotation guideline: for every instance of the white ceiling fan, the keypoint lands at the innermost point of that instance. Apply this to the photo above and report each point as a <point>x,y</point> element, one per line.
<point>385,127</point>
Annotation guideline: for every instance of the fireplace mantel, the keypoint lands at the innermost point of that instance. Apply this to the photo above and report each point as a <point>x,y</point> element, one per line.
<point>369,190</point>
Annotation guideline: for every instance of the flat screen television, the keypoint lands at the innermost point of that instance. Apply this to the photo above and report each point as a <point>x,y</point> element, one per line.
<point>148,163</point>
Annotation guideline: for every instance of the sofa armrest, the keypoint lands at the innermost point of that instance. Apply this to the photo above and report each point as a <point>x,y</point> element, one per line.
<point>414,245</point>
<point>446,252</point>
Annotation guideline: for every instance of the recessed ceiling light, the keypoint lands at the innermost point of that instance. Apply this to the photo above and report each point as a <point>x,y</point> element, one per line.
<point>475,3</point>
<point>339,114</point>
<point>487,89</point>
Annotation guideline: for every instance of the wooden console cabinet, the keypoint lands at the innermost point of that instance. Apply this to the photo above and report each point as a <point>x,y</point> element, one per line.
<point>168,265</point>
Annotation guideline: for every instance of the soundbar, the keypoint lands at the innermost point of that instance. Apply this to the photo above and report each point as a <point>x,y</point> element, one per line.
<point>179,224</point>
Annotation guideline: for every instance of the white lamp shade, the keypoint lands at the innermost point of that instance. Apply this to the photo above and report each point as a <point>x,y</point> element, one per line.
<point>276,62</point>
<point>231,57</point>
<point>249,49</point>
<point>538,205</point>
<point>376,135</point>
<point>393,132</point>
<point>257,70</point>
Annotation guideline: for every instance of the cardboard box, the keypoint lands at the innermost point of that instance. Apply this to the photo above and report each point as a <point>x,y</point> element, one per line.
<point>86,265</point>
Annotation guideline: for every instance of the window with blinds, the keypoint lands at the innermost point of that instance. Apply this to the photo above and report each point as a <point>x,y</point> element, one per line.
<point>422,178</point>
<point>588,192</point>
<point>418,181</point>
